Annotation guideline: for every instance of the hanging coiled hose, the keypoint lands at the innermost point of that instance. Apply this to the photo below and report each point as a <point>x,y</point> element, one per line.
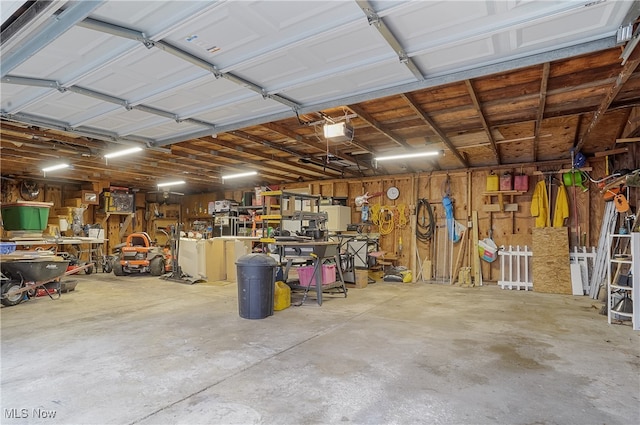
<point>424,230</point>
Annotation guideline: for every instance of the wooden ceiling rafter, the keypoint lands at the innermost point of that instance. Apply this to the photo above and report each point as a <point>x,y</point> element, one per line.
<point>311,173</point>
<point>155,162</point>
<point>28,133</point>
<point>263,166</point>
<point>626,72</point>
<point>42,143</point>
<point>263,174</point>
<point>432,125</point>
<point>7,126</point>
<point>544,81</point>
<point>269,144</point>
<point>483,121</point>
<point>280,129</point>
<point>88,166</point>
<point>20,142</point>
<point>622,128</point>
<point>369,119</point>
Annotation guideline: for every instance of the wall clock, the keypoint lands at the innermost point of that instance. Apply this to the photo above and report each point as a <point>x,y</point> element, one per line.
<point>393,193</point>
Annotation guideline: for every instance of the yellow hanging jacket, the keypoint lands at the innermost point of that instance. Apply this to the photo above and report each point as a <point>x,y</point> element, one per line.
<point>540,205</point>
<point>561,210</point>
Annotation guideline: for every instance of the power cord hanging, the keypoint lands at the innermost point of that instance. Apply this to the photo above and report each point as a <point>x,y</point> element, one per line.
<point>400,216</point>
<point>385,220</point>
<point>424,230</point>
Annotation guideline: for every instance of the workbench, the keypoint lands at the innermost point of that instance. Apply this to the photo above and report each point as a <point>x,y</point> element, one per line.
<point>94,252</point>
<point>316,252</point>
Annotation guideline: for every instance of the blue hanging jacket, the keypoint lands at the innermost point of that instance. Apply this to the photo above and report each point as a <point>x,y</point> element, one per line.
<point>451,223</point>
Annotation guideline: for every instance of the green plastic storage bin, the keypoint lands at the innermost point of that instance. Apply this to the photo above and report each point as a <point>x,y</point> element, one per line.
<point>25,215</point>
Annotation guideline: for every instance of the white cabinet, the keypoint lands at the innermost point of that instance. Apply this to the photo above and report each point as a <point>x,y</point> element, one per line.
<point>338,217</point>
<point>192,259</point>
<point>623,272</point>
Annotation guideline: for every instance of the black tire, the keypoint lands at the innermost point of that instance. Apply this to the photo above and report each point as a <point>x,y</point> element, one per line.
<point>156,266</point>
<point>117,268</point>
<point>107,265</point>
<point>88,270</point>
<point>9,296</point>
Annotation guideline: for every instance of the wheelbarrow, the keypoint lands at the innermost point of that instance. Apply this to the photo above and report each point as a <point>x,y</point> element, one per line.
<point>26,276</point>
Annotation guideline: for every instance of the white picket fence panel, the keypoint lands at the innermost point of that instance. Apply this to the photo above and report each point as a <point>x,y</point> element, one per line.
<point>516,273</point>
<point>586,259</point>
<point>515,268</point>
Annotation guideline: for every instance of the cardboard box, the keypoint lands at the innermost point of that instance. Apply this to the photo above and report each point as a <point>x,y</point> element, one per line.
<point>96,233</point>
<point>234,249</point>
<point>87,197</point>
<point>64,211</point>
<point>73,202</point>
<point>362,279</point>
<point>215,260</point>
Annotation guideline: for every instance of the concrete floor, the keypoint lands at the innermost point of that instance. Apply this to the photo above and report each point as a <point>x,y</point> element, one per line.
<point>140,350</point>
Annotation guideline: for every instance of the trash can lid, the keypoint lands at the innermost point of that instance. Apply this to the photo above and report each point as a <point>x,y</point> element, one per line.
<point>256,260</point>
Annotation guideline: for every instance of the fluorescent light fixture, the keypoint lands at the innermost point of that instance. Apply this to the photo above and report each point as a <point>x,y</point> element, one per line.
<point>173,183</point>
<point>408,155</point>
<point>55,167</point>
<point>123,152</point>
<point>235,176</point>
<point>338,132</point>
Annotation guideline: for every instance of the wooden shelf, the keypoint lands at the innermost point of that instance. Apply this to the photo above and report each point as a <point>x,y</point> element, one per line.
<point>501,206</point>
<point>561,171</point>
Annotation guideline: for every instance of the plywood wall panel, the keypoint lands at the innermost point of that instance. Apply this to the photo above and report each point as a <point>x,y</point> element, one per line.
<point>550,262</point>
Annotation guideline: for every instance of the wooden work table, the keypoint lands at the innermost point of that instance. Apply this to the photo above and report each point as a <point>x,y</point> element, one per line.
<point>92,251</point>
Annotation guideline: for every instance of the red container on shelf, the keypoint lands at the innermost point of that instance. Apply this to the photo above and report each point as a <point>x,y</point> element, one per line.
<point>521,183</point>
<point>506,181</point>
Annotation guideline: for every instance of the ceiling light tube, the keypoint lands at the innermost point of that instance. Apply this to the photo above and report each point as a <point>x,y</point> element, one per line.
<point>55,167</point>
<point>173,183</point>
<point>123,152</point>
<point>235,176</point>
<point>408,155</point>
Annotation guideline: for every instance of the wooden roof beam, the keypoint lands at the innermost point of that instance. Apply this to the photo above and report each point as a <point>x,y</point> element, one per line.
<point>243,160</point>
<point>365,116</point>
<point>544,81</point>
<point>416,108</point>
<point>626,72</point>
<point>265,170</point>
<point>30,131</point>
<point>280,129</point>
<point>326,170</point>
<point>90,166</point>
<point>483,120</point>
<point>300,169</point>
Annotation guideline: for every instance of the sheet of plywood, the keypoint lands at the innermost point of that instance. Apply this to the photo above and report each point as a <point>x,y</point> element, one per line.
<point>234,249</point>
<point>576,279</point>
<point>215,260</point>
<point>550,262</point>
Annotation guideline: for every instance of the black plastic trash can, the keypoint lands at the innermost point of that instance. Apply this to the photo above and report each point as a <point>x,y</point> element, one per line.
<point>256,281</point>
